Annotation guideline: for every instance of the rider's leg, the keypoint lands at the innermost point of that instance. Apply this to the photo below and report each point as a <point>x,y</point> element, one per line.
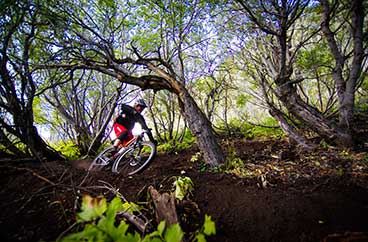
<point>121,134</point>
<point>117,142</point>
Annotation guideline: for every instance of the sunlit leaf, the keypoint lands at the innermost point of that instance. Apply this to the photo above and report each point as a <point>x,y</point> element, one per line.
<point>174,233</point>
<point>209,227</point>
<point>200,238</point>
<point>92,208</point>
<point>183,186</point>
<point>161,227</point>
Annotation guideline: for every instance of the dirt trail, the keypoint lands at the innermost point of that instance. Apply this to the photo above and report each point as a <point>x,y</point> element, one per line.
<point>305,197</point>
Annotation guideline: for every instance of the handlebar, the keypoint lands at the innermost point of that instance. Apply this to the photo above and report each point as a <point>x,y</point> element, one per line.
<point>149,133</point>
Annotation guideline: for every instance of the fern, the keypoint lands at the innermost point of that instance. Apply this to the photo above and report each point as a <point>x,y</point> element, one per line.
<point>99,217</point>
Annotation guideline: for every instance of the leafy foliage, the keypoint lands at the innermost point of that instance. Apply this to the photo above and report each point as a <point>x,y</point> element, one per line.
<point>38,112</point>
<point>209,228</point>
<point>99,218</point>
<point>92,208</point>
<point>68,149</point>
<point>177,146</point>
<point>183,187</point>
<point>240,128</point>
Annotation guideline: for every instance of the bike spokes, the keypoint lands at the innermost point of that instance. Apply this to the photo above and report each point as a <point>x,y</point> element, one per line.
<point>103,159</point>
<point>135,159</point>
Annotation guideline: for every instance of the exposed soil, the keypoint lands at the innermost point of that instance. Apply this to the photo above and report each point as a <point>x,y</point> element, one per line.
<point>283,195</point>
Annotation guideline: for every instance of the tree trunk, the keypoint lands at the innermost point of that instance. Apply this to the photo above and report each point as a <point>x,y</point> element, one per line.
<point>310,116</point>
<point>39,149</point>
<point>197,121</point>
<point>346,87</point>
<point>24,128</point>
<point>201,129</point>
<point>346,95</point>
<point>28,134</point>
<point>289,129</point>
<point>97,140</point>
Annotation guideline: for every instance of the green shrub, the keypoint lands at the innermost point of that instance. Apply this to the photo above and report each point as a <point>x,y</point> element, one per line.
<point>183,187</point>
<point>22,147</point>
<point>269,128</point>
<point>176,146</point>
<point>241,129</point>
<point>98,218</point>
<point>68,149</point>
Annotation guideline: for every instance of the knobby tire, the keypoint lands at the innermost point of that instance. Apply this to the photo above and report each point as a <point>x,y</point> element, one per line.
<point>123,164</point>
<point>102,159</point>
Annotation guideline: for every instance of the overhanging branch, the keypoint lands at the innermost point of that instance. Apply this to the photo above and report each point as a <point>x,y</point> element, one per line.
<point>144,81</point>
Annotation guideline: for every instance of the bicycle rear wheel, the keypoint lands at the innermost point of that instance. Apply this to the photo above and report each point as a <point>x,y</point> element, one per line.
<point>103,158</point>
<point>134,159</point>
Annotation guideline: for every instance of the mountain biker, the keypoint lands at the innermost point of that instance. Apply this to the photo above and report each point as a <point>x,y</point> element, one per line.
<point>124,123</point>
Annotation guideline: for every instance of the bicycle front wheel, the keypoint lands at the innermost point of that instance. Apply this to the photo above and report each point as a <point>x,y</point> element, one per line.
<point>134,159</point>
<point>103,158</point>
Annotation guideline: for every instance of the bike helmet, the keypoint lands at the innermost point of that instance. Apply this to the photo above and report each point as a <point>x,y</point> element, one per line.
<point>140,102</point>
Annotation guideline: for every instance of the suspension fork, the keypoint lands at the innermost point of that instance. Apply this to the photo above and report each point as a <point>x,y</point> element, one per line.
<point>138,144</point>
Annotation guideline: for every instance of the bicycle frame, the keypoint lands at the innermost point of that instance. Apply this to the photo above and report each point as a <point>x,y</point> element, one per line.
<point>133,142</point>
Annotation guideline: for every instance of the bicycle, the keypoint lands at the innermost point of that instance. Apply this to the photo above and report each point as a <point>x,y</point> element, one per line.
<point>130,159</point>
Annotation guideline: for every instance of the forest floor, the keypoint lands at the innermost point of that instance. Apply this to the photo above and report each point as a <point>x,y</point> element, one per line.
<point>282,194</point>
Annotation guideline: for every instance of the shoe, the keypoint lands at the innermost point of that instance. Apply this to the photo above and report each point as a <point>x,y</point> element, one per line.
<point>133,163</point>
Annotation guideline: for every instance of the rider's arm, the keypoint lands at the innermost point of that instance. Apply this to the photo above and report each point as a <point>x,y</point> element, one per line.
<point>143,123</point>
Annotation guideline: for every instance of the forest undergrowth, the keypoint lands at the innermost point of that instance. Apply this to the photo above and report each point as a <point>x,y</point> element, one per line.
<point>267,191</point>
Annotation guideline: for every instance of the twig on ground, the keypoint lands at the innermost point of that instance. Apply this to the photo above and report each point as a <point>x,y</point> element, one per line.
<point>62,175</point>
<point>84,179</point>
<point>65,231</point>
<point>33,173</point>
<point>30,198</point>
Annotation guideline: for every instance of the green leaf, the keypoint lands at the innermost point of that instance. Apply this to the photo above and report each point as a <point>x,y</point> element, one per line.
<point>200,238</point>
<point>38,112</point>
<point>156,236</point>
<point>92,208</point>
<point>114,206</point>
<point>183,186</point>
<point>107,3</point>
<point>209,226</point>
<point>108,224</point>
<point>155,240</point>
<point>90,233</point>
<point>108,227</point>
<point>174,233</point>
<point>130,207</point>
<point>161,227</point>
<point>131,238</point>
<point>123,227</point>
